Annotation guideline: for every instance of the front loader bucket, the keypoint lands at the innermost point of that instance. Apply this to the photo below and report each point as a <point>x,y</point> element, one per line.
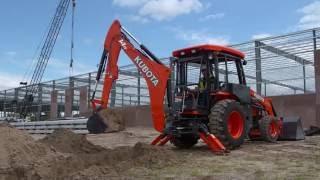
<point>292,129</point>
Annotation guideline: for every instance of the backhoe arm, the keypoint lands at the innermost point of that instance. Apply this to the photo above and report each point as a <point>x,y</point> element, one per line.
<point>154,72</point>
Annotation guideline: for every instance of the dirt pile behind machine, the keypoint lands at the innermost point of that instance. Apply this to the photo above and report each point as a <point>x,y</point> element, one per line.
<point>210,99</point>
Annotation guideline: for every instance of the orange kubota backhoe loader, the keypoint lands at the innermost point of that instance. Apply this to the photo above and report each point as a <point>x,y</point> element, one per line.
<point>209,99</point>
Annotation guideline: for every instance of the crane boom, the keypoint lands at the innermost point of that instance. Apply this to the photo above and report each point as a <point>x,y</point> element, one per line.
<point>45,53</point>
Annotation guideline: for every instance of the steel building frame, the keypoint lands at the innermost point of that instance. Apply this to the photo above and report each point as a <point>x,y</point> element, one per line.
<point>276,65</point>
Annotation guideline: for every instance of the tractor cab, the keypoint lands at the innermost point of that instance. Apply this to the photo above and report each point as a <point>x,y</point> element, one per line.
<point>205,74</point>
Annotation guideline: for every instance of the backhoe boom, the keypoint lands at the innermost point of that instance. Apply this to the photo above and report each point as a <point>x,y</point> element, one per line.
<point>154,72</point>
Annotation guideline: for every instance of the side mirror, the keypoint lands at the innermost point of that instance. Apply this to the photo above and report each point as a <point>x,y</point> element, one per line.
<point>244,62</point>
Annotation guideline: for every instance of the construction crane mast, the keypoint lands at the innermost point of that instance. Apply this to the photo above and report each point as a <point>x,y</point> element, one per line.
<point>45,53</point>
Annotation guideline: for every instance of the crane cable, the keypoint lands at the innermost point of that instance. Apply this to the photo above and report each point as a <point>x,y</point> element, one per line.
<point>72,39</point>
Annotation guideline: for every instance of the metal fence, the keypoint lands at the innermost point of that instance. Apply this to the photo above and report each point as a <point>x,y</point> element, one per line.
<point>277,65</point>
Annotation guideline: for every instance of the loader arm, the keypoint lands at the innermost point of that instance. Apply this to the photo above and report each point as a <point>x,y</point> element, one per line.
<point>154,72</point>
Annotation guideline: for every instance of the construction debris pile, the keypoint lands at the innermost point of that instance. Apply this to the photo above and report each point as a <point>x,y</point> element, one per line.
<point>63,155</point>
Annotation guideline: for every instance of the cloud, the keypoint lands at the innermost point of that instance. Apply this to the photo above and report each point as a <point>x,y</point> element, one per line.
<point>212,17</point>
<point>137,18</point>
<point>311,16</point>
<point>201,37</point>
<point>161,9</point>
<point>9,81</point>
<point>129,3</point>
<point>168,9</point>
<point>59,68</point>
<point>260,36</point>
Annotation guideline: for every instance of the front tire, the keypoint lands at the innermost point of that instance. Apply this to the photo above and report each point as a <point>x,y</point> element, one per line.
<point>269,129</point>
<point>227,121</point>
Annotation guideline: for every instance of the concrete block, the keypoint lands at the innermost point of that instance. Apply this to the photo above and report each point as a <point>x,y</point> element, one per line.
<point>83,104</point>
<point>68,102</point>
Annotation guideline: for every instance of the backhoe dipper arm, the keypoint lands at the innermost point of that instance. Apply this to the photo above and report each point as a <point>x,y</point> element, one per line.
<point>154,72</point>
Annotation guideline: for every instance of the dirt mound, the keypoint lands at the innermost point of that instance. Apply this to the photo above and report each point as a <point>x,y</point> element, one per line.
<point>19,153</point>
<point>148,155</point>
<point>6,124</point>
<point>64,140</point>
<point>64,155</point>
<point>113,118</point>
<point>115,163</point>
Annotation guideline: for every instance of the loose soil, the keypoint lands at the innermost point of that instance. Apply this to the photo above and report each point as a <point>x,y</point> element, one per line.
<point>127,155</point>
<point>65,155</point>
<point>113,118</point>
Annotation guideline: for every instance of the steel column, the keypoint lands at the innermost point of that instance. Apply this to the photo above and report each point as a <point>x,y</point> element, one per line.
<point>53,85</point>
<point>258,66</point>
<point>122,97</point>
<point>139,85</point>
<point>89,89</point>
<point>4,103</point>
<point>317,85</point>
<point>265,88</point>
<point>314,33</point>
<point>113,94</point>
<point>304,77</point>
<point>38,117</point>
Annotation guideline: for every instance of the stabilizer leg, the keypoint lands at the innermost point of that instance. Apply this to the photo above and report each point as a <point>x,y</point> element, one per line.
<point>161,140</point>
<point>214,143</point>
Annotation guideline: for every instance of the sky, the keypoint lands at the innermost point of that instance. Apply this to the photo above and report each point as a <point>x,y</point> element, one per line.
<point>162,25</point>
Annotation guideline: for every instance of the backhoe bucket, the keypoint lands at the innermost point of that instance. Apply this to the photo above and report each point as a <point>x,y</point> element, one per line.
<point>106,120</point>
<point>291,129</point>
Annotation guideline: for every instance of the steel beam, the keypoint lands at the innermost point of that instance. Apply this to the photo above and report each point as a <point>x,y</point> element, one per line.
<point>283,53</point>
<point>118,84</point>
<point>264,80</point>
<point>268,81</point>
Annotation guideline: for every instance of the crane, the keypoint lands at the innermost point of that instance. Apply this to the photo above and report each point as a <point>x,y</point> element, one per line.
<point>45,53</point>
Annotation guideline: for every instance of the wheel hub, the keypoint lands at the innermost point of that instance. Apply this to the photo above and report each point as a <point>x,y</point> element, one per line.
<point>235,124</point>
<point>273,129</point>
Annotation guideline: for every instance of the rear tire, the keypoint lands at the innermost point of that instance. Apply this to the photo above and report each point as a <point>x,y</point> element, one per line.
<point>227,121</point>
<point>185,141</point>
<point>269,129</point>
